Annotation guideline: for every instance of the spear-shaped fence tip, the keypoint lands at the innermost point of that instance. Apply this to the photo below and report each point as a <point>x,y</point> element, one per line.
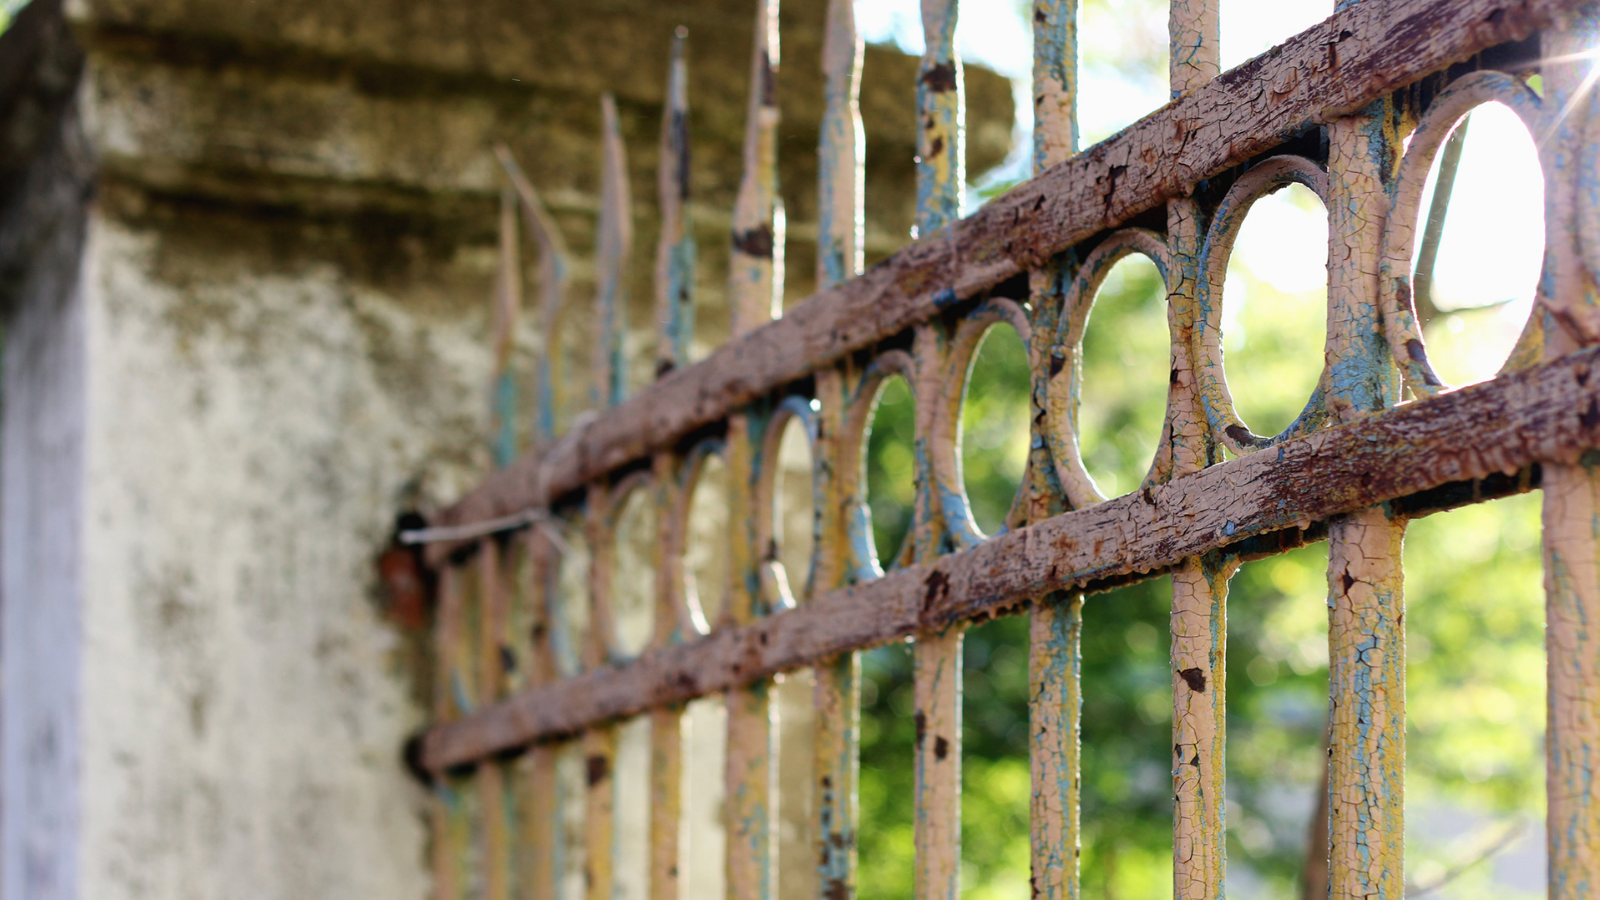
<point>675,250</point>
<point>755,282</point>
<point>613,244</point>
<point>553,268</point>
<point>506,303</point>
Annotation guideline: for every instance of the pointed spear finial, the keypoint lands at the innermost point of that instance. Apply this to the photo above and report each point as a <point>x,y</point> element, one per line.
<point>755,281</point>
<point>507,302</point>
<point>675,252</point>
<point>840,223</point>
<point>553,268</point>
<point>942,129</point>
<point>614,242</point>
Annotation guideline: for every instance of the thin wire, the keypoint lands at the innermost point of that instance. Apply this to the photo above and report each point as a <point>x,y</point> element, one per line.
<point>538,518</point>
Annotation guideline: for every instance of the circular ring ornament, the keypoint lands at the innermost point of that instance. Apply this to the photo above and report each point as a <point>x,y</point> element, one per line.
<point>1215,399</point>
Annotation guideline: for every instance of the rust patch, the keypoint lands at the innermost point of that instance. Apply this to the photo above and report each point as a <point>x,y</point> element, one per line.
<point>938,589</point>
<point>941,748</point>
<point>940,78</point>
<point>1243,436</point>
<point>1195,679</point>
<point>1590,417</point>
<point>769,84</point>
<point>755,242</point>
<point>921,721</point>
<point>599,768</point>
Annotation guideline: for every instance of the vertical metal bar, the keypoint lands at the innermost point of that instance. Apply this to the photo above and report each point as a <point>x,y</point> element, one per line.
<point>1572,742</point>
<point>936,657</point>
<point>553,268</point>
<point>666,801</point>
<point>674,284</point>
<point>1366,605</point>
<point>533,778</point>
<point>599,744</point>
<point>751,791</point>
<point>493,798</point>
<point>1055,670</point>
<point>755,282</point>
<point>1200,584</point>
<point>491,776</point>
<point>1199,767</point>
<point>1366,727</point>
<point>450,828</point>
<point>675,250</point>
<point>611,258</point>
<point>534,775</point>
<point>837,682</point>
<point>1569,305</point>
<point>1055,622</point>
<point>1194,45</point>
<point>666,723</point>
<point>941,118</point>
<point>842,148</point>
<point>507,302</point>
<point>754,294</point>
<point>613,243</point>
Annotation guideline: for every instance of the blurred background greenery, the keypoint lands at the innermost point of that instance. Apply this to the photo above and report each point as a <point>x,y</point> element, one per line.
<point>1474,602</point>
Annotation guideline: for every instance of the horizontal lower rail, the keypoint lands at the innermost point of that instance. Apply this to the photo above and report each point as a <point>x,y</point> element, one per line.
<point>1331,69</point>
<point>1550,413</point>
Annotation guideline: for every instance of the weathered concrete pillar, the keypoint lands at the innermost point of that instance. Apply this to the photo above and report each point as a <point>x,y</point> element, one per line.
<point>246,251</point>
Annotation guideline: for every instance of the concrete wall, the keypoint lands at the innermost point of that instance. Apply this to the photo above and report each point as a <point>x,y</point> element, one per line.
<point>246,251</point>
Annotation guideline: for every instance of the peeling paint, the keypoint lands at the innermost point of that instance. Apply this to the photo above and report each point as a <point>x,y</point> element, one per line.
<point>1061,533</point>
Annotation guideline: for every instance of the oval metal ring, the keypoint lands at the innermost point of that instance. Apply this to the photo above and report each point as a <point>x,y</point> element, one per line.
<point>692,613</point>
<point>603,548</point>
<point>566,641</point>
<point>775,584</point>
<point>864,564</point>
<point>1215,399</point>
<point>1396,304</point>
<point>949,483</point>
<point>1066,355</point>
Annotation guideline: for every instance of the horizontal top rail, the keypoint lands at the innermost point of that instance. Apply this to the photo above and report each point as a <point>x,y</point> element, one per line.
<point>1332,69</point>
<point>1547,414</point>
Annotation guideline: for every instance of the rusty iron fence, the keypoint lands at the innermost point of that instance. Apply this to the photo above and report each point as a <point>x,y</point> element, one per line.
<point>538,673</point>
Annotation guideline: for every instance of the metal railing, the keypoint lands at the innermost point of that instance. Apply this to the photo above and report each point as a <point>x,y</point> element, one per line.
<point>1365,101</point>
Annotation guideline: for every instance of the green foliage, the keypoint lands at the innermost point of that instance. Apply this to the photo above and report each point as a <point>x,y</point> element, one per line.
<point>8,12</point>
<point>1474,620</point>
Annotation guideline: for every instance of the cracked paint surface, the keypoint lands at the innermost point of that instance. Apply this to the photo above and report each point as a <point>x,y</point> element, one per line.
<point>1199,768</point>
<point>1199,584</point>
<point>936,657</point>
<point>1569,300</point>
<point>941,118</point>
<point>840,243</point>
<point>755,295</point>
<point>1366,624</point>
<point>1367,707</point>
<point>675,248</point>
